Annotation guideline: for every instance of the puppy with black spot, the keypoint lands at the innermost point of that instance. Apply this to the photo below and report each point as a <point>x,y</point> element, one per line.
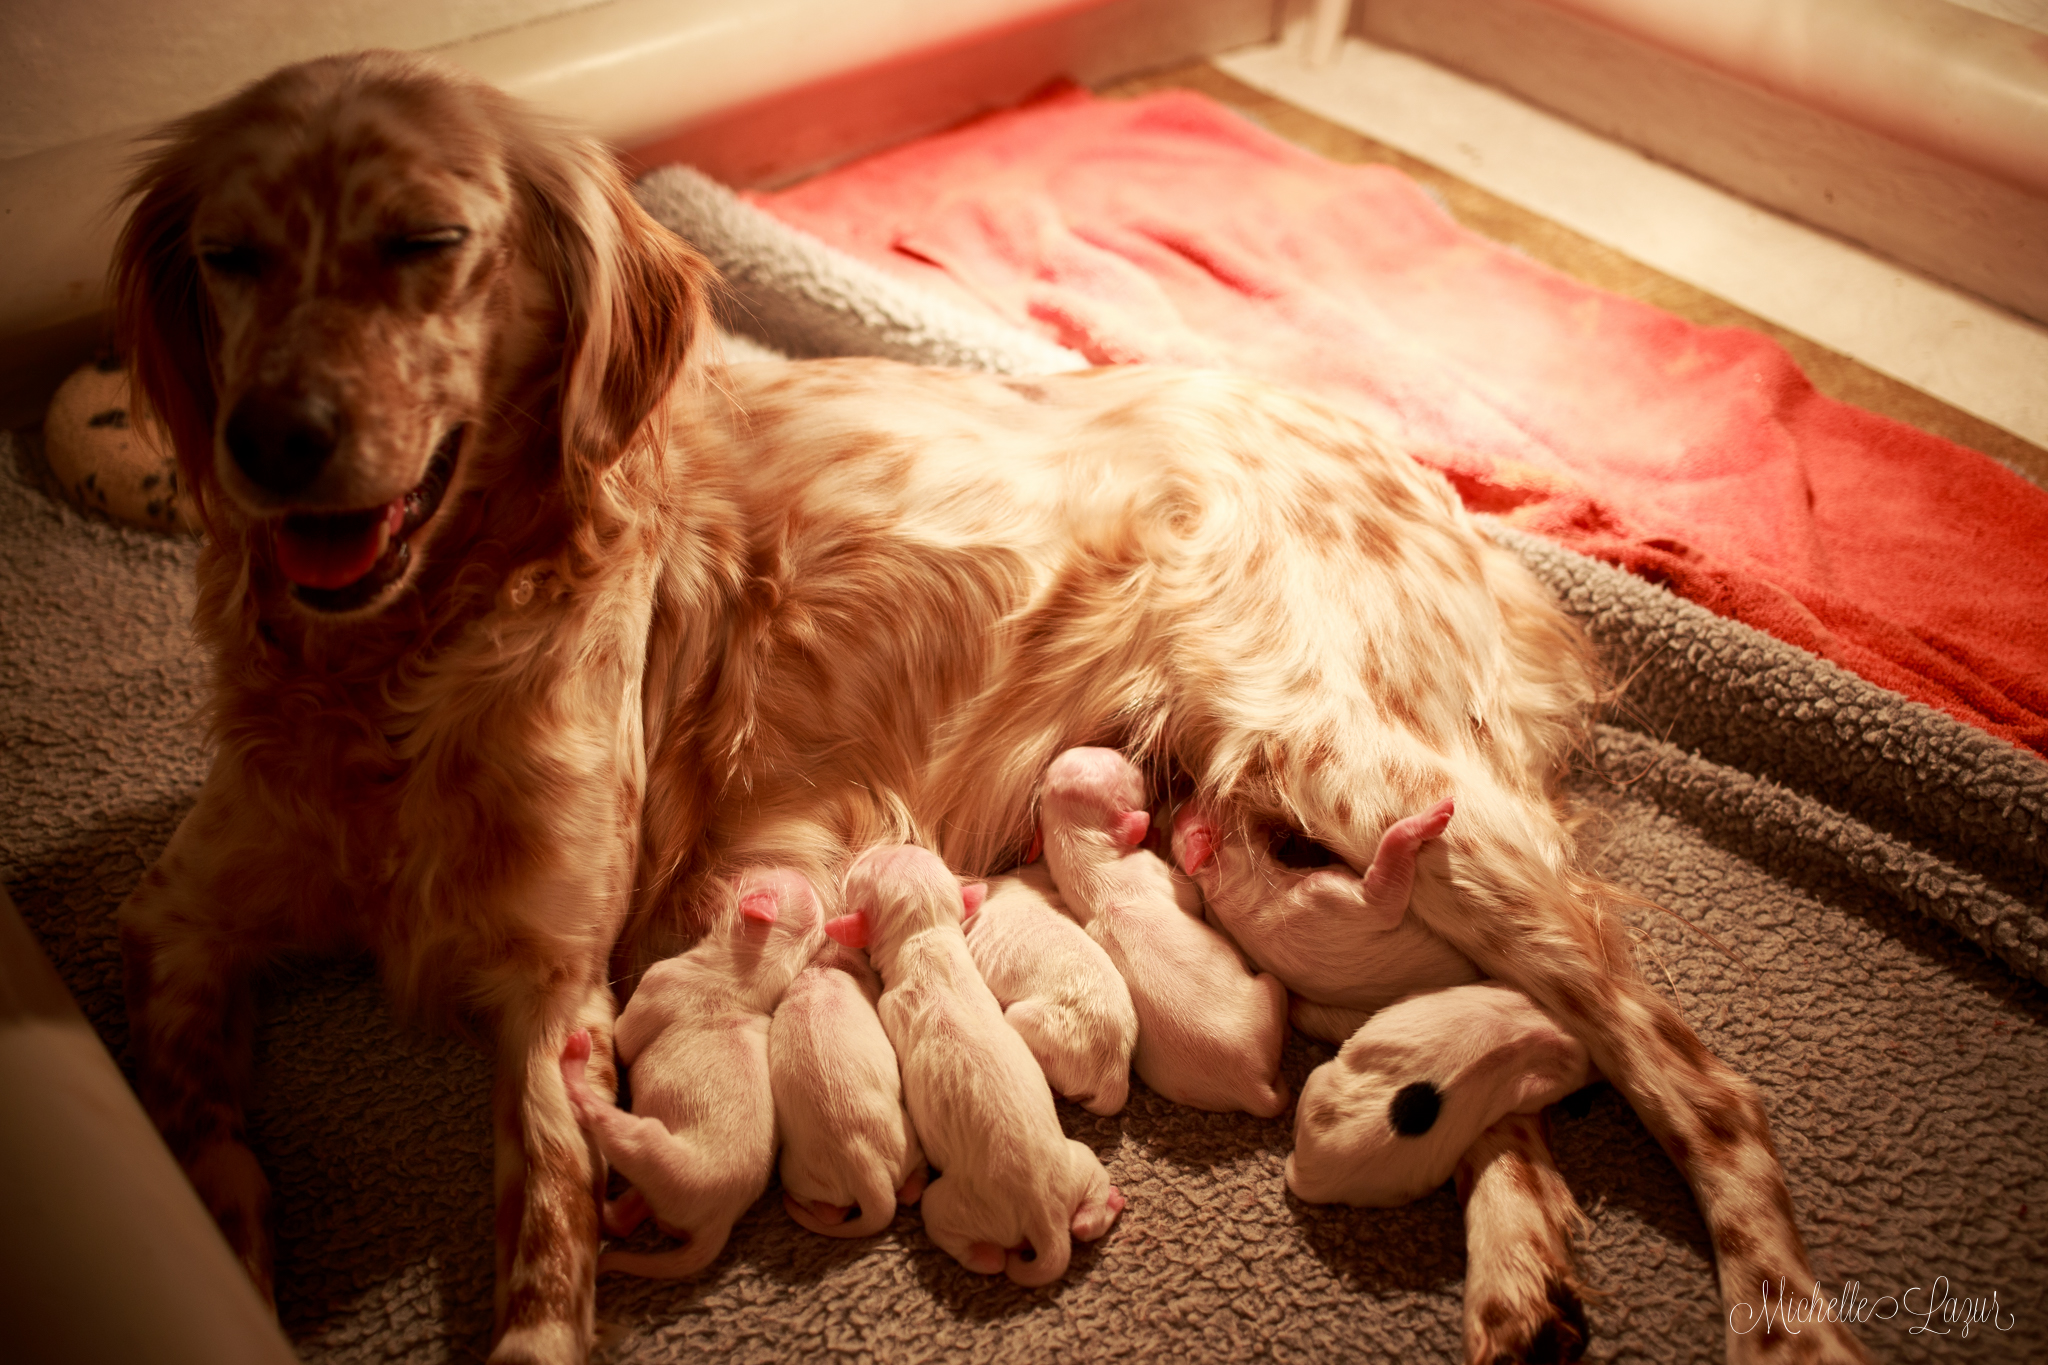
<point>1387,1120</point>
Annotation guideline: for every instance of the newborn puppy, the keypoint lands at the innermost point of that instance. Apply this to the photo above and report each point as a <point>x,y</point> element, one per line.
<point>1012,1187</point>
<point>1387,1119</point>
<point>700,1144</point>
<point>1057,987</point>
<point>1209,1032</point>
<point>1336,938</point>
<point>849,1153</point>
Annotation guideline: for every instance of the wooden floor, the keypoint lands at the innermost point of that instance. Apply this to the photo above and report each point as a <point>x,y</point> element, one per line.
<point>1584,259</point>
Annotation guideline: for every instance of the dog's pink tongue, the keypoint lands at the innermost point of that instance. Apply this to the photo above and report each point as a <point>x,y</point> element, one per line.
<point>317,551</point>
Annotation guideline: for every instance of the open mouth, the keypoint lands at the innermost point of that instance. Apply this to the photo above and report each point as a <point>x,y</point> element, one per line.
<point>339,561</point>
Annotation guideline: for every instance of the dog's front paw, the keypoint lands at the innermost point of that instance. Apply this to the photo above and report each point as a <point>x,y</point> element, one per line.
<point>1539,1332</point>
<point>235,1191</point>
<point>545,1343</point>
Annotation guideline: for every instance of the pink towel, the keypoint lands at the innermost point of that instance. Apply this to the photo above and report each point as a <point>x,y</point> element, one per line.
<point>1169,229</point>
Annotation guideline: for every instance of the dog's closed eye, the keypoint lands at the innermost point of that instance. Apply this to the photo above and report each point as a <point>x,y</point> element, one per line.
<point>424,244</point>
<point>239,260</point>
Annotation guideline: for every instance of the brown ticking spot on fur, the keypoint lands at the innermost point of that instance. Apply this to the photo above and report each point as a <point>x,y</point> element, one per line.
<point>1682,1040</point>
<point>1523,1172</point>
<point>1734,1243</point>
<point>1398,709</point>
<point>1721,1120</point>
<point>155,877</point>
<point>1316,526</point>
<point>1343,810</point>
<point>1680,1152</point>
<point>1024,389</point>
<point>1494,1315</point>
<point>1375,540</point>
<point>1574,999</point>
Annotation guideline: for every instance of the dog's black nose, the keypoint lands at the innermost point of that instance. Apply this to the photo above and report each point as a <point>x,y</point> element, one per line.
<point>282,439</point>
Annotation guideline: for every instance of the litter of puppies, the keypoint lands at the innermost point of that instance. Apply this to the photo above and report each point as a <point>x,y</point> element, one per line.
<point>937,1019</point>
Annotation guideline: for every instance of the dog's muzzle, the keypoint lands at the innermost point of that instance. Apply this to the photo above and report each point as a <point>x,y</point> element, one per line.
<point>340,561</point>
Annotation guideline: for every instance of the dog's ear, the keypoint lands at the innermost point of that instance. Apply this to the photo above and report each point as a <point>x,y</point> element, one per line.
<point>163,320</point>
<point>634,295</point>
<point>972,894</point>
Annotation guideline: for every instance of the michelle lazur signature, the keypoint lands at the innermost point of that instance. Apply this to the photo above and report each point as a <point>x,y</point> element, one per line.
<point>1935,1309</point>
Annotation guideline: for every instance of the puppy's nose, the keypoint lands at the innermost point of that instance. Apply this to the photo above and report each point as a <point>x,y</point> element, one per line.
<point>282,439</point>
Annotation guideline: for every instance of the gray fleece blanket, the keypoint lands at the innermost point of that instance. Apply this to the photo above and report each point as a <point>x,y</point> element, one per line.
<point>1852,891</point>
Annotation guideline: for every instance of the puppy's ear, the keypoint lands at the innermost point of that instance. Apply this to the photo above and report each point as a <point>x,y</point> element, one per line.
<point>633,293</point>
<point>851,930</point>
<point>759,906</point>
<point>971,896</point>
<point>163,320</point>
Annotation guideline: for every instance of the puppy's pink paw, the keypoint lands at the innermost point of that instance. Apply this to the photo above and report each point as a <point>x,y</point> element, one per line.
<point>1092,1220</point>
<point>985,1258</point>
<point>625,1213</point>
<point>913,1188</point>
<point>1391,877</point>
<point>575,1076</point>
<point>829,1214</point>
<point>1194,838</point>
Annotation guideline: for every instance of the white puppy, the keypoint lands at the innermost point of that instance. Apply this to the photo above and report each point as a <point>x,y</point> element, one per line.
<point>1057,987</point>
<point>1387,1119</point>
<point>1209,1031</point>
<point>1338,939</point>
<point>700,1144</point>
<point>849,1152</point>
<point>1012,1188</point>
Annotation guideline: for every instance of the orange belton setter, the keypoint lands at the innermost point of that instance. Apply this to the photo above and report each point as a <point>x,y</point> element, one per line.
<point>529,640</point>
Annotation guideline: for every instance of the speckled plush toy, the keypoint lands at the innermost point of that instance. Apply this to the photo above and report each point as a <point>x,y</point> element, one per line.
<point>107,461</point>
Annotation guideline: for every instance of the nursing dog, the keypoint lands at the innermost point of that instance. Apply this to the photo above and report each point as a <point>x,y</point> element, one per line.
<point>525,636</point>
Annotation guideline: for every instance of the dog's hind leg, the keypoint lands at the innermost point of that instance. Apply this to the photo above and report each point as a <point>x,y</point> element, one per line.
<point>1522,1302</point>
<point>1511,902</point>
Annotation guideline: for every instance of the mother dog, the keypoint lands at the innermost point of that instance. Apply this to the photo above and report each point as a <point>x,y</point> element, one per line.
<point>527,641</point>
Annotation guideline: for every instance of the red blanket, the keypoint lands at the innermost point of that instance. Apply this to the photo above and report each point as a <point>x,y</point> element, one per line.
<point>1169,229</point>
